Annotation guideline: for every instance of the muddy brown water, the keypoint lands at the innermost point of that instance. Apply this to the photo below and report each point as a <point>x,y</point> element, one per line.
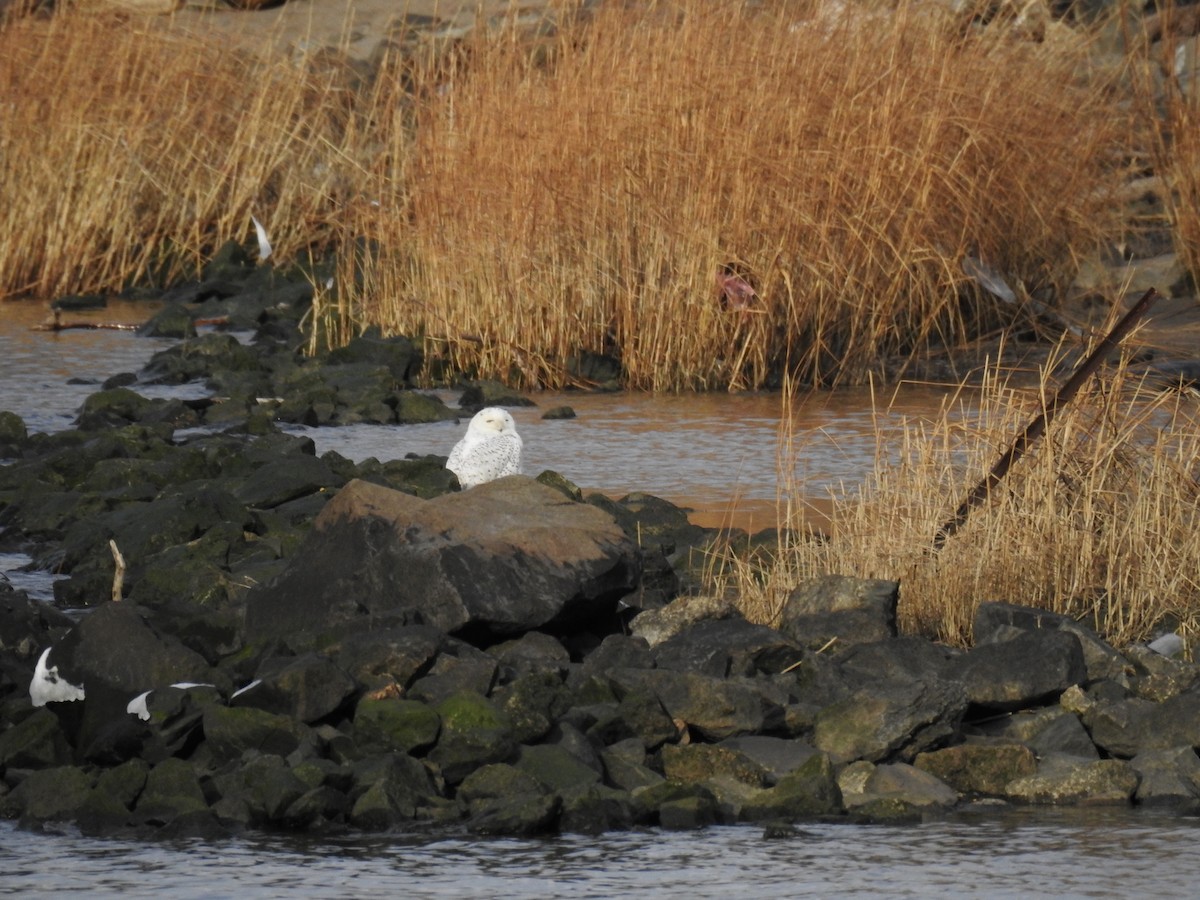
<point>726,457</point>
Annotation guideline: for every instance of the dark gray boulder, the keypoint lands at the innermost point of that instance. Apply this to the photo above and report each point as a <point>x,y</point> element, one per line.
<point>980,769</point>
<point>474,732</point>
<point>724,647</point>
<point>307,688</point>
<point>114,654</point>
<point>711,708</point>
<point>895,659</point>
<point>1168,778</point>
<point>891,721</point>
<point>1026,670</point>
<point>840,609</point>
<point>998,622</point>
<point>388,724</point>
<point>505,557</point>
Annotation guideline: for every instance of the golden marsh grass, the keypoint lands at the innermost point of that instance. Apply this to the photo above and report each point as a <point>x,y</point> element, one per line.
<point>515,202</point>
<point>1100,520</point>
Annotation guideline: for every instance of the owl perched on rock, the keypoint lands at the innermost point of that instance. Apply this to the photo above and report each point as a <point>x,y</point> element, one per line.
<point>490,449</point>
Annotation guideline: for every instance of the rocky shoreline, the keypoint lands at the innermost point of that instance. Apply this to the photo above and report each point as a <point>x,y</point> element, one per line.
<point>304,643</point>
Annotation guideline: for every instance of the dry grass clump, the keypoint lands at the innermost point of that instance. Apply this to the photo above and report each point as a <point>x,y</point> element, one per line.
<point>1101,521</point>
<point>130,153</point>
<point>582,194</point>
<point>1170,87</point>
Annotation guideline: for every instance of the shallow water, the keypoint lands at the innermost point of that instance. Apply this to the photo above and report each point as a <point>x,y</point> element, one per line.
<point>720,455</point>
<point>1018,853</point>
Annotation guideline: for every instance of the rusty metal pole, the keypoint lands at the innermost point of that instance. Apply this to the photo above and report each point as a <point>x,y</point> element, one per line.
<point>1034,429</point>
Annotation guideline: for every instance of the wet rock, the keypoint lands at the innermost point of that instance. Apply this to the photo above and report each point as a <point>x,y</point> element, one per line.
<point>685,806</point>
<point>172,790</point>
<point>998,622</point>
<point>480,394</point>
<point>896,719</point>
<point>893,788</point>
<point>705,762</point>
<point>315,808</point>
<point>596,808</point>
<point>35,742</point>
<point>13,434</point>
<point>777,756</point>
<point>392,723</point>
<point>503,799</point>
<point>199,357</point>
<point>398,354</point>
<point>120,406</point>
<point>522,814</point>
<point>555,768</point>
<point>1045,731</point>
<point>625,766</point>
<point>1028,669</point>
<point>172,321</point>
<point>107,807</point>
<point>230,732</point>
<point>1168,778</point>
<point>474,733</point>
<point>48,795</point>
<point>840,608</point>
<point>262,790</point>
<point>727,647</point>
<point>388,657</point>
<point>505,557</point>
<point>713,708</point>
<point>533,702</point>
<point>309,688</point>
<point>1065,779</point>
<point>981,769</point>
<point>389,791</point>
<point>806,791</point>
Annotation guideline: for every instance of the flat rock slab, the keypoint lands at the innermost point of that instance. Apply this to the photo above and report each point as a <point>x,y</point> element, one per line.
<point>505,557</point>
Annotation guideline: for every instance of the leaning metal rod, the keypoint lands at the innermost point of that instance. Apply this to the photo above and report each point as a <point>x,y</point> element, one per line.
<point>1034,429</point>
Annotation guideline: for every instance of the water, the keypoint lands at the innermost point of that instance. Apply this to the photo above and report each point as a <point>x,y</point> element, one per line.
<point>1017,854</point>
<point>718,454</point>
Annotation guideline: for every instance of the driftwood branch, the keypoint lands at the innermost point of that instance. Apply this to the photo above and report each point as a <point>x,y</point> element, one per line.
<point>1034,429</point>
<point>119,573</point>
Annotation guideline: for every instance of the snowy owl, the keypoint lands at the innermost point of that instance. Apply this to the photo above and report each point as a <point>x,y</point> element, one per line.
<point>491,449</point>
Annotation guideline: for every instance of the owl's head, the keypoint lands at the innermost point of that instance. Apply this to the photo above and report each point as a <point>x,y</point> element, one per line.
<point>493,419</point>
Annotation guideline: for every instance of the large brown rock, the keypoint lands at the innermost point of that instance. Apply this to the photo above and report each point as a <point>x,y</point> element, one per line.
<point>506,557</point>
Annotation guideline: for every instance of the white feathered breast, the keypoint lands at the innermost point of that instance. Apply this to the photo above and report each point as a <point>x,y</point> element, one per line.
<point>490,449</point>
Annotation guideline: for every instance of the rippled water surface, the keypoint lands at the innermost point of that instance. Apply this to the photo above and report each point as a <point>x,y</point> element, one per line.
<point>1018,854</point>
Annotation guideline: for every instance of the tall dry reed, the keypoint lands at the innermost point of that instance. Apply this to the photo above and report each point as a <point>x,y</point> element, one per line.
<point>1100,521</point>
<point>129,152</point>
<point>515,203</point>
<point>582,194</point>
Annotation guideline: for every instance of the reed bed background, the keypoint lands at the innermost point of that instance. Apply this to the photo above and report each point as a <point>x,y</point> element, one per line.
<point>584,193</point>
<point>1099,521</point>
<point>517,202</point>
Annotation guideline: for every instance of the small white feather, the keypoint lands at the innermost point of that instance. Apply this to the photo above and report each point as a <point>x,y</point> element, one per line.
<point>264,243</point>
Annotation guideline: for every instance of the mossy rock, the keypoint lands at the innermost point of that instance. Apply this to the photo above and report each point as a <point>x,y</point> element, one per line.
<point>393,723</point>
